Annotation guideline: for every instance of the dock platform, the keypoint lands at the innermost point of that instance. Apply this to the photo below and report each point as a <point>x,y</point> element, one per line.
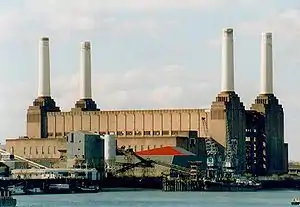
<point>182,185</point>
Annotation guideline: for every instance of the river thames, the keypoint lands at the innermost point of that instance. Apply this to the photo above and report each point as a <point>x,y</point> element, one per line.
<point>161,199</point>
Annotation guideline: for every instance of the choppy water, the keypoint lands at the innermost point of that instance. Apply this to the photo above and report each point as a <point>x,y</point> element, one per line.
<point>161,199</point>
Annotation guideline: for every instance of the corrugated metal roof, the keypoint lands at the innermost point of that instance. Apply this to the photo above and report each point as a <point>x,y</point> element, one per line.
<point>169,151</point>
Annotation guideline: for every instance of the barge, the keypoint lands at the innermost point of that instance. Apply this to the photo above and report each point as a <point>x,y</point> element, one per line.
<point>231,186</point>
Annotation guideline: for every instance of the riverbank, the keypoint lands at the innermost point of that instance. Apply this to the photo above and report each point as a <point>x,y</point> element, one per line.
<point>32,186</point>
<point>162,199</point>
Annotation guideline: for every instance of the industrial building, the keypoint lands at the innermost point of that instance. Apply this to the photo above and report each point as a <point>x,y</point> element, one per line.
<point>225,122</point>
<point>85,148</point>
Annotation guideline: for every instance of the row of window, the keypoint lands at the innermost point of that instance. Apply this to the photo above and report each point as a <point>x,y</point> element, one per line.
<point>248,155</point>
<point>58,134</point>
<point>36,150</point>
<point>222,99</point>
<point>146,133</point>
<point>249,139</point>
<point>126,133</point>
<point>131,112</point>
<point>142,147</point>
<point>249,167</point>
<point>261,101</point>
<point>253,155</point>
<point>253,139</point>
<point>250,130</point>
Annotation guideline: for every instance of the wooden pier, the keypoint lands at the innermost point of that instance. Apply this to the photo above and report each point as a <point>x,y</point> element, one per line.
<point>179,184</point>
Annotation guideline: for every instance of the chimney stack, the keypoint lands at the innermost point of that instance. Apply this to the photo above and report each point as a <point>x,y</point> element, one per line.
<point>85,71</point>
<point>44,68</point>
<point>85,103</point>
<point>266,64</point>
<point>227,61</point>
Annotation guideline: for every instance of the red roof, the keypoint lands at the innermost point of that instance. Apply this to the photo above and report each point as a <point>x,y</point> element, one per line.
<point>170,151</point>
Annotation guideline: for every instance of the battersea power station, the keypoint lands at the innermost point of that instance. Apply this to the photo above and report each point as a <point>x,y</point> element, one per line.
<point>251,140</point>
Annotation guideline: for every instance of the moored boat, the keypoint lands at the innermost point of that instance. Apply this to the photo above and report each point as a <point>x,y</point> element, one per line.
<point>90,189</point>
<point>295,201</point>
<point>237,185</point>
<point>34,191</point>
<point>16,190</point>
<point>58,189</point>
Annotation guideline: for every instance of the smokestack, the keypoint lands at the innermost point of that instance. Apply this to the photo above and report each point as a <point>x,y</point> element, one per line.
<point>85,70</point>
<point>44,68</point>
<point>266,67</point>
<point>227,61</point>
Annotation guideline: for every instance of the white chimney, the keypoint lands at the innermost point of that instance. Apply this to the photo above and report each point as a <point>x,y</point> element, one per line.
<point>44,68</point>
<point>85,71</point>
<point>266,67</point>
<point>227,61</point>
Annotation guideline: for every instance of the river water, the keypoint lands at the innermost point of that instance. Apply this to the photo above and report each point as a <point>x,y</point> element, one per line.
<point>161,199</point>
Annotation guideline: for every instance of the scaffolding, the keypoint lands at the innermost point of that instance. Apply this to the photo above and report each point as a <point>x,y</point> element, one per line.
<point>213,152</point>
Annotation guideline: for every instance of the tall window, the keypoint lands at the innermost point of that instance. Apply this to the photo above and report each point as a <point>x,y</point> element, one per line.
<point>72,137</point>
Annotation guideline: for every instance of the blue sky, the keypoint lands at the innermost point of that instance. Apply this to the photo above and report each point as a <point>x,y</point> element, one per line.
<point>147,53</point>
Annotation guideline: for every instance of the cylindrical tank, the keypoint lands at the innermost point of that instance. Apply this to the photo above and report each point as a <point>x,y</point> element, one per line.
<point>110,147</point>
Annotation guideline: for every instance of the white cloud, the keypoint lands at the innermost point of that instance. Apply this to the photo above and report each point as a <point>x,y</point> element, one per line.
<point>9,22</point>
<point>285,24</point>
<point>65,18</point>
